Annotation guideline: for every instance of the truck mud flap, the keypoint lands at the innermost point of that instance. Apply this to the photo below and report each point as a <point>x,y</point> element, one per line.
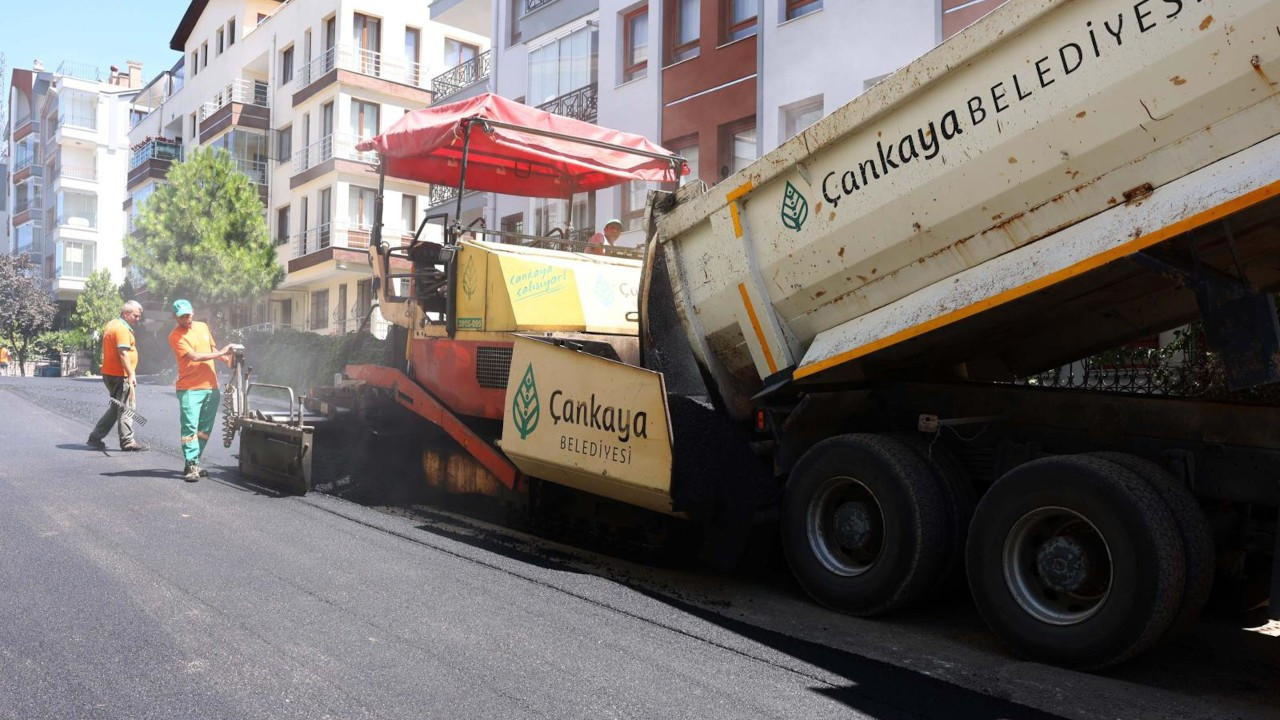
<point>277,455</point>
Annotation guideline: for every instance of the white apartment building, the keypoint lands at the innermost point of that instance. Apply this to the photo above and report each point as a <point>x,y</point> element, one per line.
<point>718,81</point>
<point>68,148</point>
<point>289,88</point>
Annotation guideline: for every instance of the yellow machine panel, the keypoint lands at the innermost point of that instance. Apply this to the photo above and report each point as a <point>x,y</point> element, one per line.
<point>589,423</point>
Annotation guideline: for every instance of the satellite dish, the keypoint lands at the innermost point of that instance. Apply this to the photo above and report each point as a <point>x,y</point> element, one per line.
<point>378,325</point>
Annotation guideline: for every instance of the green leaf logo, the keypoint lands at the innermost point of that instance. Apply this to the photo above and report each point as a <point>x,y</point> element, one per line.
<point>525,409</point>
<point>795,209</point>
<point>469,277</point>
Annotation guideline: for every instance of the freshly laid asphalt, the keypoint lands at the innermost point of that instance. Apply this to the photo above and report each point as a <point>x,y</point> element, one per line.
<point>128,593</point>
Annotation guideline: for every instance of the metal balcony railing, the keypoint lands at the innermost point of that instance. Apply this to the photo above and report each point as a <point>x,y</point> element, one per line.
<point>80,172</point>
<point>581,104</point>
<point>155,149</point>
<point>77,221</point>
<point>83,118</point>
<point>84,71</point>
<point>23,161</point>
<point>441,194</point>
<point>349,235</point>
<point>531,5</point>
<point>240,90</point>
<point>461,76</point>
<point>364,62</point>
<point>255,169</point>
<point>331,146</point>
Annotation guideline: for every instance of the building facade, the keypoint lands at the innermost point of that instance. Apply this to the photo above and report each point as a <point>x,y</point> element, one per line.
<point>289,89</point>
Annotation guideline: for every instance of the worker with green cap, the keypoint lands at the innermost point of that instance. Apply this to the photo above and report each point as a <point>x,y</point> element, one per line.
<point>607,238</point>
<point>197,384</point>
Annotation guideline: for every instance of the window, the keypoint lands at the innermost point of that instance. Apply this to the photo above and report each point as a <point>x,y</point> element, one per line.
<point>195,126</point>
<point>686,29</point>
<point>320,310</point>
<point>360,207</point>
<point>796,8</point>
<point>222,41</point>
<point>77,259</point>
<point>517,6</point>
<point>368,40</point>
<point>204,54</point>
<point>412,43</point>
<point>562,66</point>
<point>231,32</point>
<point>325,201</point>
<point>364,298</point>
<point>364,119</point>
<point>635,44</point>
<point>740,18</point>
<point>286,65</point>
<point>282,225</point>
<point>78,209</point>
<point>195,62</point>
<point>687,148</point>
<point>739,146</point>
<point>284,143</point>
<point>409,213</point>
<point>457,52</point>
<point>798,116</point>
<point>340,312</point>
<point>512,224</point>
<point>634,195</point>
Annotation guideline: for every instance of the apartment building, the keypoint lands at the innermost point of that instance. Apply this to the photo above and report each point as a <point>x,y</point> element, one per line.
<point>718,81</point>
<point>68,147</point>
<point>289,88</point>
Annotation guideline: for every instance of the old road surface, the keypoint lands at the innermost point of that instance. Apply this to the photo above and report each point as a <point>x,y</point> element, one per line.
<point>128,593</point>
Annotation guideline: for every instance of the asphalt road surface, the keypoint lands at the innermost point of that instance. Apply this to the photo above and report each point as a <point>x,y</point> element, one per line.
<point>128,593</point>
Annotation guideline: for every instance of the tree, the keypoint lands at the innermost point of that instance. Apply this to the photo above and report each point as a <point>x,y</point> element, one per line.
<point>97,305</point>
<point>203,236</point>
<point>26,310</point>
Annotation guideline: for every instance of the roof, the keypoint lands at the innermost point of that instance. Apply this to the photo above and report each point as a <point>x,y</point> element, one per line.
<point>187,24</point>
<point>517,150</point>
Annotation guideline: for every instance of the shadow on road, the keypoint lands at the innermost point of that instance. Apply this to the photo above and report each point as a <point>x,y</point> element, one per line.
<point>150,473</point>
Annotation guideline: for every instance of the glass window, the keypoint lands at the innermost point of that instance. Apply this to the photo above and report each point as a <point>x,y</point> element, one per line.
<point>78,209</point>
<point>77,259</point>
<point>412,43</point>
<point>562,66</point>
<point>457,52</point>
<point>204,54</point>
<point>796,8</point>
<point>635,45</point>
<point>231,32</point>
<point>364,119</point>
<point>222,40</point>
<point>688,30</point>
<point>286,65</point>
<point>740,18</point>
<point>634,195</point>
<point>284,143</point>
<point>360,207</point>
<point>282,225</point>
<point>320,310</point>
<point>409,213</point>
<point>799,116</point>
<point>688,149</point>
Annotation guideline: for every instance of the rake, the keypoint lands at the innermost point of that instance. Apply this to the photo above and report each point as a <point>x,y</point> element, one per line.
<point>128,411</point>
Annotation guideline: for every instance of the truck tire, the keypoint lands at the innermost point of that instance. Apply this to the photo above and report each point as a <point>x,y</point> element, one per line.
<point>1075,561</point>
<point>959,498</point>
<point>1197,538</point>
<point>864,524</point>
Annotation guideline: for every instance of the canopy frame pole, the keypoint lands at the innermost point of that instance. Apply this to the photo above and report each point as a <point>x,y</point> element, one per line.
<point>462,184</point>
<point>584,141</point>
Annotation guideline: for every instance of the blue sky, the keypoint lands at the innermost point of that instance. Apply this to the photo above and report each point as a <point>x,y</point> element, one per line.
<point>90,32</point>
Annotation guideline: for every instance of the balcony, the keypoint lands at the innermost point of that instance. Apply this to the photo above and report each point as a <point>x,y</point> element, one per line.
<point>342,241</point>
<point>255,169</point>
<point>331,153</point>
<point>364,68</point>
<point>77,172</point>
<point>462,76</point>
<point>84,71</point>
<point>580,104</point>
<point>240,103</point>
<point>152,159</point>
<point>84,118</point>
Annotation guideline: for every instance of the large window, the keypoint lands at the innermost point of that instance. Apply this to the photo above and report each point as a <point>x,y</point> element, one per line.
<point>360,207</point>
<point>320,310</point>
<point>250,150</point>
<point>368,41</point>
<point>78,209</point>
<point>457,52</point>
<point>686,29</point>
<point>364,119</point>
<point>796,8</point>
<point>78,109</point>
<point>635,44</point>
<point>562,66</point>
<point>77,259</point>
<point>286,65</point>
<point>740,18</point>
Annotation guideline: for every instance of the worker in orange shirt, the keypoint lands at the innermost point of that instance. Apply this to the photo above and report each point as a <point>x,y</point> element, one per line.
<point>4,360</point>
<point>197,385</point>
<point>119,362</point>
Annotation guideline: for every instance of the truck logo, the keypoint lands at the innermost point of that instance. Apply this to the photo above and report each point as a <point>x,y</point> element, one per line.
<point>795,209</point>
<point>525,409</point>
<point>469,278</point>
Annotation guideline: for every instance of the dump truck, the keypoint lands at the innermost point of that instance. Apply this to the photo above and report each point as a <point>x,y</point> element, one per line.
<point>861,308</point>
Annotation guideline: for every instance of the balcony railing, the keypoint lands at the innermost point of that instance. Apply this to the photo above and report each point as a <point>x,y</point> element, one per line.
<point>461,76</point>
<point>328,147</point>
<point>155,149</point>
<point>364,62</point>
<point>83,118</point>
<point>240,90</point>
<point>22,162</point>
<point>255,169</point>
<point>581,104</point>
<point>79,222</point>
<point>79,172</point>
<point>84,71</point>
<point>531,5</point>
<point>441,194</point>
<point>354,236</point>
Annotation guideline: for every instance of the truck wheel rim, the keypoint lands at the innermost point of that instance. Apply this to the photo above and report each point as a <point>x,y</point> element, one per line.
<point>845,526</point>
<point>1057,566</point>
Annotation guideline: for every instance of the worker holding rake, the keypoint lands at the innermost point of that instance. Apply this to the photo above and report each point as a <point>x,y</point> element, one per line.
<point>119,365</point>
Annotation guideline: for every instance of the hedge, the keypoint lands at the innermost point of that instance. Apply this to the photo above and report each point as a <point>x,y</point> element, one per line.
<point>303,360</point>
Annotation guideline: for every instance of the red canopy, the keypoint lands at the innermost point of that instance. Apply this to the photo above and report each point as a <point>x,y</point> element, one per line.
<point>426,146</point>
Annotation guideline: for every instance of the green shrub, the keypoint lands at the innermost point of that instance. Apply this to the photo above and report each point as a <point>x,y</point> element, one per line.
<point>303,360</point>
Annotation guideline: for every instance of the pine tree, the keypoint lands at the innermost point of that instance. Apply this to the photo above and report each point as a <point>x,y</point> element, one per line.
<point>203,236</point>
